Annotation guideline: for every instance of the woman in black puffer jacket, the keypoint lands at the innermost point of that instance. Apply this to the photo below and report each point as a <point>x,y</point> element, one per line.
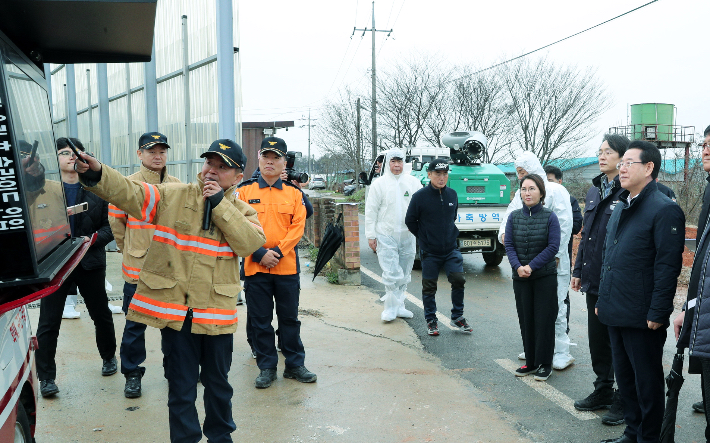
<point>531,245</point>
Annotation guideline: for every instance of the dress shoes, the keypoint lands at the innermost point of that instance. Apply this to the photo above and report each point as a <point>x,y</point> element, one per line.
<point>623,439</point>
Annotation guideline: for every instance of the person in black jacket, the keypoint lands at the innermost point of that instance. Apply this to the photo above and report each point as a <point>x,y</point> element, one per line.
<point>599,203</point>
<point>642,258</point>
<point>430,217</point>
<point>89,276</point>
<point>694,334</point>
<point>532,240</point>
<point>665,190</point>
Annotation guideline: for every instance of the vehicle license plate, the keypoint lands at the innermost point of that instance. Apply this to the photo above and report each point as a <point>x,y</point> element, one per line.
<point>475,243</point>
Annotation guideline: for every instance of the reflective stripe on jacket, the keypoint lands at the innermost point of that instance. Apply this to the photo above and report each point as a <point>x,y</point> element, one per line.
<point>185,267</point>
<point>133,236</point>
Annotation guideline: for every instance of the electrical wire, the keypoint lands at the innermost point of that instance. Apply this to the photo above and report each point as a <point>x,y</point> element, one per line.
<point>553,43</point>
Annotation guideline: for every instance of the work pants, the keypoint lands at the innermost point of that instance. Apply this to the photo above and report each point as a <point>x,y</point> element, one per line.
<point>395,255</point>
<point>562,342</point>
<point>184,354</point>
<point>263,291</point>
<point>93,290</point>
<point>452,263</point>
<point>638,365</point>
<point>133,340</point>
<point>536,303</point>
<point>599,347</point>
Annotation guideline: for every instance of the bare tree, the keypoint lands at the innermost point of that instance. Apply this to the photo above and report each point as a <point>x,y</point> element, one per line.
<point>531,105</point>
<point>482,104</point>
<point>554,107</point>
<point>407,95</point>
<point>337,133</point>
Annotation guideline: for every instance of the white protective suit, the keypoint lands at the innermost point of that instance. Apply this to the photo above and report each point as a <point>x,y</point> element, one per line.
<point>557,199</point>
<point>385,209</point>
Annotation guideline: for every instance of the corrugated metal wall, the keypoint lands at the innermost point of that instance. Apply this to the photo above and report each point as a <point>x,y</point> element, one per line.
<point>204,118</point>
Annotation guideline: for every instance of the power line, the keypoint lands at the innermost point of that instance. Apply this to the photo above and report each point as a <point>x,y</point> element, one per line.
<point>553,43</point>
<point>390,14</point>
<point>399,12</point>
<point>340,66</point>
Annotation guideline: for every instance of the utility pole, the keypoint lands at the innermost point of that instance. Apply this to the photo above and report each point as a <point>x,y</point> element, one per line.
<point>309,138</point>
<point>374,79</point>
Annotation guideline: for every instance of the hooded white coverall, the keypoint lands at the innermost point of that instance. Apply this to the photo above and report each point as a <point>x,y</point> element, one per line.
<point>385,209</point>
<point>557,199</point>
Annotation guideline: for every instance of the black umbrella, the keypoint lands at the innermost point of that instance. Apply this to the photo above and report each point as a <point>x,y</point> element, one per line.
<point>331,241</point>
<point>674,381</point>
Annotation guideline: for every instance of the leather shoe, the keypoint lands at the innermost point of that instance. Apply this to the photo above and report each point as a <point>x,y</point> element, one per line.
<point>699,407</point>
<point>623,439</point>
<point>110,366</point>
<point>47,388</point>
<point>300,373</point>
<point>266,376</point>
<point>133,385</point>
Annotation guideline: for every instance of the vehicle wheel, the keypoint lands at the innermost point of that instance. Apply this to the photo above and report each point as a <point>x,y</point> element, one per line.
<point>22,425</point>
<point>494,258</point>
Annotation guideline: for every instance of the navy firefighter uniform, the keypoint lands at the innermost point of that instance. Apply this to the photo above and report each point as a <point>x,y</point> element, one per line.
<point>282,213</point>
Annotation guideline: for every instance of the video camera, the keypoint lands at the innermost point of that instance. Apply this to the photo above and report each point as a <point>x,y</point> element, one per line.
<point>300,177</point>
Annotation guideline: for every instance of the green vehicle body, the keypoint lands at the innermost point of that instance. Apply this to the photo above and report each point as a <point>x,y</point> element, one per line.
<point>483,195</point>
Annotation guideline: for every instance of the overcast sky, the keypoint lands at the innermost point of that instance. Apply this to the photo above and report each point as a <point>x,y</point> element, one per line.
<point>295,55</point>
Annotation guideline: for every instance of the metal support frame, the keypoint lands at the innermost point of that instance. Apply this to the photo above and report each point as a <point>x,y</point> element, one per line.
<point>225,70</point>
<point>186,93</point>
<point>129,112</point>
<point>151,93</point>
<point>89,116</point>
<point>73,124</point>
<point>48,77</point>
<point>104,119</point>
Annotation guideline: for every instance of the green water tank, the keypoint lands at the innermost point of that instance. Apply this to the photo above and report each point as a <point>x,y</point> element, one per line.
<point>653,121</point>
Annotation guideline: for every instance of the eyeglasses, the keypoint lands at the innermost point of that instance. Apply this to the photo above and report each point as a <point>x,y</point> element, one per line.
<point>606,152</point>
<point>705,146</point>
<point>627,164</point>
<point>66,153</point>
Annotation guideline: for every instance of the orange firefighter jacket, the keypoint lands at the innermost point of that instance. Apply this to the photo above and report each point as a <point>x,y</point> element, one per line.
<point>282,213</point>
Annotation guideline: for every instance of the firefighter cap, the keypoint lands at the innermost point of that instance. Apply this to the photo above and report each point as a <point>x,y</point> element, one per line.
<point>230,152</point>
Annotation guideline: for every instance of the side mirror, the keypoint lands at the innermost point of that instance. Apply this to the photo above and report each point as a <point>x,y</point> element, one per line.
<point>416,165</point>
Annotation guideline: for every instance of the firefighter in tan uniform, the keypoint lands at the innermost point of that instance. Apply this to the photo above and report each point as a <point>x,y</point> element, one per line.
<point>133,238</point>
<point>189,282</point>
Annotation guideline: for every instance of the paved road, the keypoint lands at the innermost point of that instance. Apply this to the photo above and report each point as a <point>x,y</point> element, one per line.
<point>542,411</point>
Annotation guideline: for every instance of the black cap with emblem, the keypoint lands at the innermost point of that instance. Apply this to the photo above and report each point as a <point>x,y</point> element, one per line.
<point>230,152</point>
<point>275,145</point>
<point>438,164</point>
<point>150,139</point>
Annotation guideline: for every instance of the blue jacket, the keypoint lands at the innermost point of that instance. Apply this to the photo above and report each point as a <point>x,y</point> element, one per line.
<point>642,258</point>
<point>430,217</point>
<point>597,212</point>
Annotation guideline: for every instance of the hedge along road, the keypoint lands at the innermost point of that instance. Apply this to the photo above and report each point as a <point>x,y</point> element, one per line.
<point>543,411</point>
